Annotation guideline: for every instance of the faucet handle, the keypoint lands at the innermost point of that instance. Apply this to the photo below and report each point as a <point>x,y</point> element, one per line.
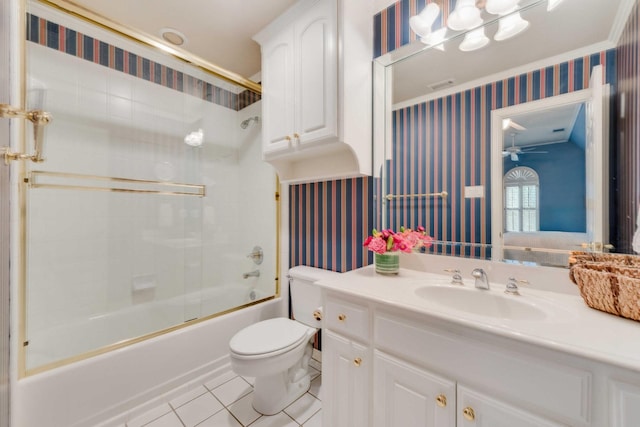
<point>456,279</point>
<point>512,286</point>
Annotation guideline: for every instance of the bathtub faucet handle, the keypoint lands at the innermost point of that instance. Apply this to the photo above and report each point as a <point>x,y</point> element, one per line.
<point>254,273</point>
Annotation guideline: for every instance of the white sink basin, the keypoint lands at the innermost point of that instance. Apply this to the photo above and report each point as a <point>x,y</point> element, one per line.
<point>482,303</point>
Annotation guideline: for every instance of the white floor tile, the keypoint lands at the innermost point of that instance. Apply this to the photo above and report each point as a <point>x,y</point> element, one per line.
<point>198,409</point>
<point>188,396</point>
<point>279,420</point>
<point>243,410</point>
<point>149,416</point>
<point>221,419</point>
<point>316,387</point>
<point>216,382</point>
<point>250,380</point>
<point>315,364</point>
<point>169,420</point>
<point>232,390</point>
<point>302,409</point>
<point>313,373</point>
<point>315,421</point>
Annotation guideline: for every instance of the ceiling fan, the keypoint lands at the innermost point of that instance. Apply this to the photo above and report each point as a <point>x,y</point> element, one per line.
<point>513,152</point>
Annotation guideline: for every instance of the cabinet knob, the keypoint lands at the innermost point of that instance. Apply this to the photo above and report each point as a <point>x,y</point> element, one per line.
<point>287,138</point>
<point>469,414</point>
<point>296,136</point>
<point>342,317</point>
<point>441,400</point>
<point>317,315</point>
<point>357,361</point>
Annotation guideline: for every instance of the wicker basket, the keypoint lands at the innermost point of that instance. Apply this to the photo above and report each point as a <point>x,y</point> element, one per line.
<point>608,282</point>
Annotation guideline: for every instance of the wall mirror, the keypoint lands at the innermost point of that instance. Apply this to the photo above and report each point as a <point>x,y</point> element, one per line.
<point>440,112</point>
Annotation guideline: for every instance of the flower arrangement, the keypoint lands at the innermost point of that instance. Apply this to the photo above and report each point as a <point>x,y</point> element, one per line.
<point>405,240</point>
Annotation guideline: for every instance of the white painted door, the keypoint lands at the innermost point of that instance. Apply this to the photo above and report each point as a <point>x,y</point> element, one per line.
<point>277,96</point>
<point>316,74</point>
<point>346,368</point>
<point>597,158</point>
<point>479,410</point>
<point>624,404</point>
<point>407,396</point>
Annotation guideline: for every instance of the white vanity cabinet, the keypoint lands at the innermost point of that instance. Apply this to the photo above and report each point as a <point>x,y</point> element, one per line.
<point>346,364</point>
<point>316,79</point>
<point>424,372</point>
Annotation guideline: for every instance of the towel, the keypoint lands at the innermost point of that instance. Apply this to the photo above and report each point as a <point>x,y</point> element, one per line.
<point>636,236</point>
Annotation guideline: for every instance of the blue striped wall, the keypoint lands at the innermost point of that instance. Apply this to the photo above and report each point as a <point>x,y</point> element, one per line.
<point>328,222</point>
<point>445,144</point>
<point>628,138</point>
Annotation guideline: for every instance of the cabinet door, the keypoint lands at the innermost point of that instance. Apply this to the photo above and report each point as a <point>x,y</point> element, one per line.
<point>624,401</point>
<point>479,410</point>
<point>316,74</point>
<point>405,395</point>
<point>277,96</point>
<point>346,368</point>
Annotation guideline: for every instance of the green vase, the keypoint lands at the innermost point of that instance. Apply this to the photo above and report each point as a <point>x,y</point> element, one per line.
<point>388,263</point>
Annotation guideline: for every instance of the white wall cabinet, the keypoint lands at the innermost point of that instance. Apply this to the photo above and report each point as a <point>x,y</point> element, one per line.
<point>316,79</point>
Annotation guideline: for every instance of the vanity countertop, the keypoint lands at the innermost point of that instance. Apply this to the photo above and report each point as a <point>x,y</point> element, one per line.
<point>570,326</point>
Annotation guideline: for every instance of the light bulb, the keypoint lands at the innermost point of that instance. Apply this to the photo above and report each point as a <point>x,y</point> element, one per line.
<point>474,40</point>
<point>510,26</point>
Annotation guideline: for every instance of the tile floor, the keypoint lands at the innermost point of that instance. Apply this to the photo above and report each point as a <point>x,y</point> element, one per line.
<point>226,402</point>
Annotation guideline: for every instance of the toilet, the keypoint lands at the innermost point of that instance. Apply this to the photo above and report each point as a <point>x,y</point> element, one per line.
<point>277,351</point>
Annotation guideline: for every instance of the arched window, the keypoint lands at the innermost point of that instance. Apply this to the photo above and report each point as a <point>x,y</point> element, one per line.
<point>521,200</point>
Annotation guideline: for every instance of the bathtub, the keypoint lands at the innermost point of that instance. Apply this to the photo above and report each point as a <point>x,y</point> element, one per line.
<point>112,387</point>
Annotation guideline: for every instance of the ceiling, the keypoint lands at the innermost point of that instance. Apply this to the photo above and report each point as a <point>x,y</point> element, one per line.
<point>218,31</point>
<point>572,26</point>
<point>542,127</point>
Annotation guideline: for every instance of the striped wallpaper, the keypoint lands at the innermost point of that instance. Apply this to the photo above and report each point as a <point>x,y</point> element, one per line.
<point>60,38</point>
<point>328,222</point>
<point>628,137</point>
<point>445,144</point>
<point>391,25</point>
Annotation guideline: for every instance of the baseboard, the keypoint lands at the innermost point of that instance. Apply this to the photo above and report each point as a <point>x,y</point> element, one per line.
<point>118,415</point>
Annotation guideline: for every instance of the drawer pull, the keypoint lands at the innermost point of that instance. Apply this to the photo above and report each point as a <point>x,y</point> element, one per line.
<point>317,315</point>
<point>357,361</point>
<point>441,399</point>
<point>469,414</point>
<point>342,317</point>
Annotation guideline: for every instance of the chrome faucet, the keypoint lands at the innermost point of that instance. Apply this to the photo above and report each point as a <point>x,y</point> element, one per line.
<point>254,273</point>
<point>482,281</point>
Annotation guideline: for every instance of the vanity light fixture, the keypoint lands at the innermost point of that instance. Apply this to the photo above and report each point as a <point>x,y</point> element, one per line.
<point>501,7</point>
<point>435,39</point>
<point>474,40</point>
<point>465,16</point>
<point>421,23</point>
<point>510,26</point>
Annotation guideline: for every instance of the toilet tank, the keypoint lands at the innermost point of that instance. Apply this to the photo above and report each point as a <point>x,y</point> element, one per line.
<point>305,296</point>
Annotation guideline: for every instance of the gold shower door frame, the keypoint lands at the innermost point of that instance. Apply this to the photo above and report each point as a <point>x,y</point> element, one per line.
<point>40,179</point>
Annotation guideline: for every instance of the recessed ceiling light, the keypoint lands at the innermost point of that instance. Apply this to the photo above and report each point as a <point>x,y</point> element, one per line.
<point>173,36</point>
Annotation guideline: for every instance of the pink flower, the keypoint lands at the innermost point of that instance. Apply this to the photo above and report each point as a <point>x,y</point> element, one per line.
<point>406,240</point>
<point>378,245</point>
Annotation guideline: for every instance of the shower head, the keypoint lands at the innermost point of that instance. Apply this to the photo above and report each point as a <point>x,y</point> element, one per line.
<point>245,123</point>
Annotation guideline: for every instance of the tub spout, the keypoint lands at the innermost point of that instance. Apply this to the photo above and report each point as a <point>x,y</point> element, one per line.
<point>254,273</point>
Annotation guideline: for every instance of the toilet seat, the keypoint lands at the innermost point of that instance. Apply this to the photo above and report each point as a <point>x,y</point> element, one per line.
<point>269,337</point>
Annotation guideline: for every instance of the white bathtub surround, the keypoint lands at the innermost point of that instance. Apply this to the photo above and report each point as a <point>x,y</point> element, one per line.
<point>539,359</point>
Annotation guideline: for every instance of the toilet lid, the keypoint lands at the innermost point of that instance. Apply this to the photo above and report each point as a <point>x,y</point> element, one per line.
<point>268,336</point>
